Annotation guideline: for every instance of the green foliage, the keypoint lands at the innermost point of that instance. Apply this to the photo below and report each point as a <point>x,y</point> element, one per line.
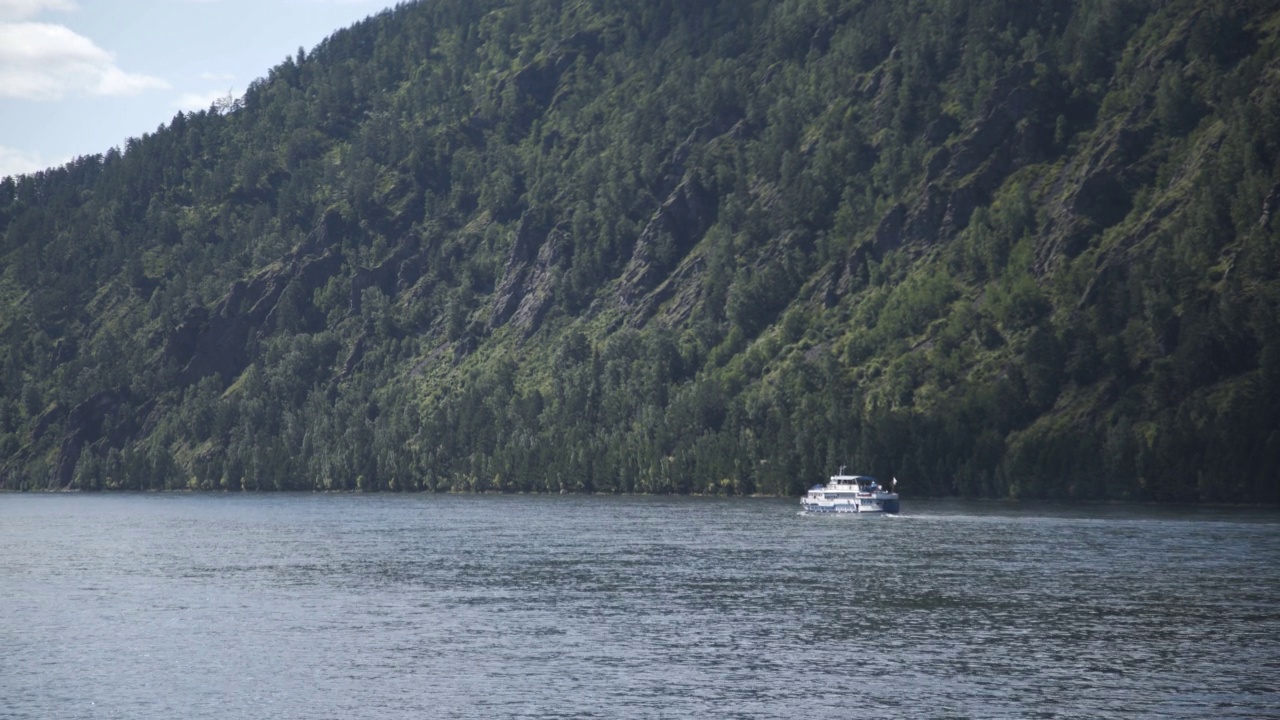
<point>995,249</point>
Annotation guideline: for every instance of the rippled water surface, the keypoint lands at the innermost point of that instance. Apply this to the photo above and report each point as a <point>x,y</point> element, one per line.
<point>312,606</point>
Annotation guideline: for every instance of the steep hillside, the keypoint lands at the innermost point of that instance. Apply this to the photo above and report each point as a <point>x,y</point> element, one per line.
<point>1001,248</point>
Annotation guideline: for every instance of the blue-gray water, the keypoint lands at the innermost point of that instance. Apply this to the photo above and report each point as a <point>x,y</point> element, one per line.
<point>313,606</point>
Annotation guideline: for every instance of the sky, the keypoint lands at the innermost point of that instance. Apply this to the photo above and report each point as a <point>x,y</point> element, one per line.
<point>78,77</point>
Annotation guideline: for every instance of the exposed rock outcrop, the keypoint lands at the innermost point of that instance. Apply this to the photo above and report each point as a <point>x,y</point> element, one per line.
<point>1269,207</point>
<point>1008,133</point>
<point>512,288</point>
<point>539,291</point>
<point>1095,192</point>
<point>53,415</point>
<point>681,292</point>
<point>674,169</point>
<point>206,342</point>
<point>1111,264</point>
<point>85,425</point>
<point>535,84</point>
<point>677,225</point>
<point>389,276</point>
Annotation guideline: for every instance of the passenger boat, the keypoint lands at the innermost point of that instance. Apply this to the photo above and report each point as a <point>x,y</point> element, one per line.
<point>851,494</point>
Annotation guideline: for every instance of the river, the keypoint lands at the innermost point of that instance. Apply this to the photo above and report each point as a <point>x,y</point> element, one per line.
<point>428,606</point>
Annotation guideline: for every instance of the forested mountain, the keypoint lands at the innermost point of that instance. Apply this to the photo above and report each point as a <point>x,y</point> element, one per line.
<point>1002,248</point>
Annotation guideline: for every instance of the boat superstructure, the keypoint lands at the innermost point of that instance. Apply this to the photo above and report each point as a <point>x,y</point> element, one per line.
<point>850,494</point>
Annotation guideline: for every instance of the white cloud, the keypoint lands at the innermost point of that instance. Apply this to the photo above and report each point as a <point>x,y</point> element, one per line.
<point>18,162</point>
<point>202,100</point>
<point>40,61</point>
<point>23,9</point>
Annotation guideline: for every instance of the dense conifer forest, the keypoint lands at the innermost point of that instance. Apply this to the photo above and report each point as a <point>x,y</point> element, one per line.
<point>994,248</point>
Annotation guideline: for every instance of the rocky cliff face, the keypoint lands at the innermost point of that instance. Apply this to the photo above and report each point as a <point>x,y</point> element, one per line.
<point>527,270</point>
<point>1013,129</point>
<point>676,227</point>
<point>210,341</point>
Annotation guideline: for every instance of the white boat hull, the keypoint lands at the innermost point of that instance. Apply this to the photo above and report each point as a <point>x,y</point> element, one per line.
<point>889,506</point>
